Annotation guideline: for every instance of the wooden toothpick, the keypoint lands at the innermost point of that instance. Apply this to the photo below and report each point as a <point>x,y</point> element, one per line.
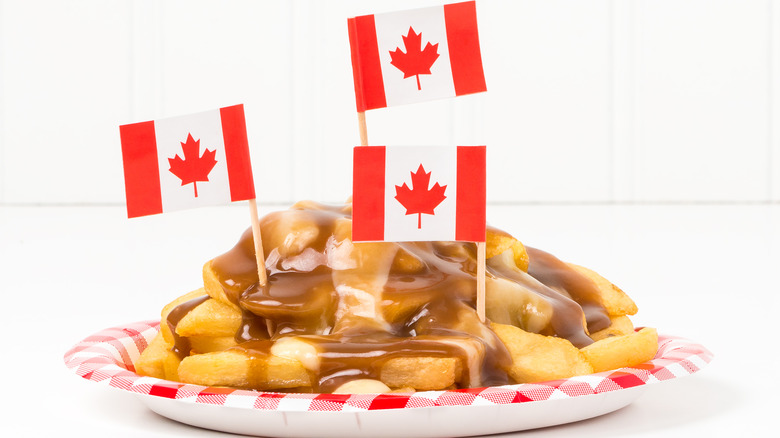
<point>481,248</point>
<point>362,127</point>
<point>262,279</point>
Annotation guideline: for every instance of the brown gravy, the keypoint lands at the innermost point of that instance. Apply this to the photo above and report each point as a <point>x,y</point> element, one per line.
<point>361,304</point>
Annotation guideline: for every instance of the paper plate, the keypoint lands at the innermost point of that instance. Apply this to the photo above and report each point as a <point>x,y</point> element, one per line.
<point>107,358</point>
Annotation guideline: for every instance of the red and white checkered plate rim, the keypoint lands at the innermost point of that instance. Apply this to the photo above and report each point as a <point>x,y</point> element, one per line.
<point>107,358</point>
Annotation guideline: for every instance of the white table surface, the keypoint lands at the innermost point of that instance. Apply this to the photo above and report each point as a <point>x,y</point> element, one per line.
<point>708,273</point>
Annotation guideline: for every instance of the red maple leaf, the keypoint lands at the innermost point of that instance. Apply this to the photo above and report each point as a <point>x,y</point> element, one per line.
<point>414,62</point>
<point>193,168</point>
<point>419,199</point>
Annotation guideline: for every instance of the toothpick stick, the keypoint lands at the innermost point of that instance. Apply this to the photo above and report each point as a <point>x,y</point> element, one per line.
<point>363,130</point>
<point>481,247</point>
<point>261,275</point>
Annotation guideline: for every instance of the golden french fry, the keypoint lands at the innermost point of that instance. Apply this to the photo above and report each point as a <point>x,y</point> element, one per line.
<point>537,358</point>
<point>216,369</point>
<point>421,373</point>
<point>211,318</point>
<point>150,362</point>
<point>213,287</point>
<point>622,351</point>
<point>509,302</point>
<point>407,263</point>
<point>520,255</point>
<point>621,325</point>
<point>294,232</point>
<point>164,329</point>
<point>614,300</point>
<point>208,344</point>
<point>239,370</point>
<point>497,242</point>
<point>158,360</point>
<point>171,363</point>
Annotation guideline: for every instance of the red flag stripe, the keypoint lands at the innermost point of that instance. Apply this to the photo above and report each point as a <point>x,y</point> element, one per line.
<point>368,193</point>
<point>366,67</point>
<point>463,40</point>
<point>470,219</point>
<point>242,185</point>
<point>142,175</point>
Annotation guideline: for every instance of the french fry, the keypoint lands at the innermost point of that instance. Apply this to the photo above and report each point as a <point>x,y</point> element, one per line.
<point>508,302</point>
<point>537,358</point>
<point>211,318</point>
<point>294,233</point>
<point>213,287</point>
<point>171,366</point>
<point>208,344</point>
<point>421,373</point>
<point>520,255</point>
<point>150,362</point>
<point>622,351</point>
<point>621,325</point>
<point>239,370</point>
<point>497,242</point>
<point>164,329</point>
<point>614,300</point>
<point>404,262</point>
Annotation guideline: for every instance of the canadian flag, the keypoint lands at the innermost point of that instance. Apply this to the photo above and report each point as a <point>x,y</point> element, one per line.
<point>405,193</point>
<point>415,55</point>
<point>188,161</point>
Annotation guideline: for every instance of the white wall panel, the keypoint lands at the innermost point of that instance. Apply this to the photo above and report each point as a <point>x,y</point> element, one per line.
<point>146,60</point>
<point>325,126</point>
<point>2,106</point>
<point>623,94</point>
<point>701,100</point>
<point>588,101</point>
<point>773,16</point>
<point>547,126</point>
<point>65,80</point>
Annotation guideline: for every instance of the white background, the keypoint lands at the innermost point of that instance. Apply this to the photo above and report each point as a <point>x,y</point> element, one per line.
<point>638,138</point>
<point>588,101</point>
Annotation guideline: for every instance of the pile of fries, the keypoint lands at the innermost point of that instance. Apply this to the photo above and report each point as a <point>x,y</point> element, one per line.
<point>346,317</point>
